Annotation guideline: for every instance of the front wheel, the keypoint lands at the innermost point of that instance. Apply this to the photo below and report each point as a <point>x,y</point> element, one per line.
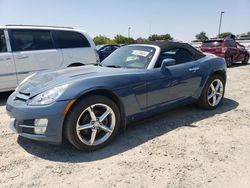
<point>212,93</point>
<point>92,123</point>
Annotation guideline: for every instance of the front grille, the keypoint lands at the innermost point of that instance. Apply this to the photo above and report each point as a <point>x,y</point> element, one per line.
<point>27,130</point>
<point>26,126</point>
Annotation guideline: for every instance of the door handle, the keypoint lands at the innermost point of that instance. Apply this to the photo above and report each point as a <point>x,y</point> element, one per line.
<point>22,57</point>
<point>194,69</point>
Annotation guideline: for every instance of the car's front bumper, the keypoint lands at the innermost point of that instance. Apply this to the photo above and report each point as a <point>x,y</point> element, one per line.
<point>23,118</point>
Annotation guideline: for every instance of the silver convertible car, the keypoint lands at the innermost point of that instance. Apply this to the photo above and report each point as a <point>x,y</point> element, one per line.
<point>89,104</point>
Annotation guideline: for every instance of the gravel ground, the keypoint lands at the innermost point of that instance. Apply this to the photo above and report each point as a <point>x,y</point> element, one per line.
<point>186,147</point>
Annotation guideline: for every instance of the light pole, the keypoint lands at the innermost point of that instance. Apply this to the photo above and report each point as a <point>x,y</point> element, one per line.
<point>221,14</point>
<point>129,28</point>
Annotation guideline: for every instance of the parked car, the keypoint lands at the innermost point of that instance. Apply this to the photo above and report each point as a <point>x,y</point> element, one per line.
<point>105,50</point>
<point>196,44</point>
<point>28,49</point>
<point>227,48</point>
<point>90,104</point>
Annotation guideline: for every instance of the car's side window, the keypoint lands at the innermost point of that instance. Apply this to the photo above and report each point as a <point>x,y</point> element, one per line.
<point>26,40</point>
<point>3,47</point>
<point>180,55</point>
<point>69,39</point>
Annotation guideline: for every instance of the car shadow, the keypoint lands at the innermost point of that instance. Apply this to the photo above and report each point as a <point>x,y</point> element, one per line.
<point>135,135</point>
<point>3,98</point>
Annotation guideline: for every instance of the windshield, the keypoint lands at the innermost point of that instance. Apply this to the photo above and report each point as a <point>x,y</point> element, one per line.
<point>214,43</point>
<point>137,57</point>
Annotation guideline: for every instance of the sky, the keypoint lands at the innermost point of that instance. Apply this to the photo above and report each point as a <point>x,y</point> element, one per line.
<point>183,19</point>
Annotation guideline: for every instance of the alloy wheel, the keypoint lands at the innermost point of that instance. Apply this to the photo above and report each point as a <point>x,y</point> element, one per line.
<point>95,124</point>
<point>215,92</point>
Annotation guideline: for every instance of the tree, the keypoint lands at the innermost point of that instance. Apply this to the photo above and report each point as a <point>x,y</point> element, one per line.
<point>103,40</point>
<point>156,37</point>
<point>120,39</point>
<point>248,33</point>
<point>141,40</point>
<point>202,36</point>
<point>225,34</point>
<point>130,40</point>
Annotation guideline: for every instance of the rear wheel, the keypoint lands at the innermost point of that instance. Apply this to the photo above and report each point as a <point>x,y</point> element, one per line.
<point>92,123</point>
<point>212,93</point>
<point>246,60</point>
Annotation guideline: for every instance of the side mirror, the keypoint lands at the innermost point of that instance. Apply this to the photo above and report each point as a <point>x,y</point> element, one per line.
<point>167,62</point>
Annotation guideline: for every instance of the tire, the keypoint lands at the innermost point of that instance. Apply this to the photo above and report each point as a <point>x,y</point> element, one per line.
<point>229,62</point>
<point>246,60</point>
<point>103,128</point>
<point>210,95</point>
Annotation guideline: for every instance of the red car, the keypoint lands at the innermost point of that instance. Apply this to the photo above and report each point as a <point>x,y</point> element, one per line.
<point>227,48</point>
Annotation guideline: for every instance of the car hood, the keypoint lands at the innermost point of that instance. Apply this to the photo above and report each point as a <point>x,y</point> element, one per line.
<point>46,80</point>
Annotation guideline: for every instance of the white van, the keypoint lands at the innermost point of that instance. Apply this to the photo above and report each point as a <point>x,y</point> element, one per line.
<point>28,49</point>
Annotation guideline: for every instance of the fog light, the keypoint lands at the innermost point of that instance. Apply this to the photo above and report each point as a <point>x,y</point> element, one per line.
<point>40,126</point>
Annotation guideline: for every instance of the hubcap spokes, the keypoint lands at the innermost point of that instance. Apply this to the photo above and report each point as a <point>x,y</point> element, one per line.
<point>99,123</point>
<point>215,92</point>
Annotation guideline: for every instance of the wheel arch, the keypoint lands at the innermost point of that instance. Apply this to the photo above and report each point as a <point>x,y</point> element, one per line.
<point>76,64</point>
<point>215,72</point>
<point>221,73</point>
<point>106,93</point>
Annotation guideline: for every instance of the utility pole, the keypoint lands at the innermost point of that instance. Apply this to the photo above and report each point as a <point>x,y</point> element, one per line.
<point>221,14</point>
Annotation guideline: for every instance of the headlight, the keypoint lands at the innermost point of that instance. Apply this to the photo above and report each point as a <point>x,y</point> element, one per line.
<point>49,96</point>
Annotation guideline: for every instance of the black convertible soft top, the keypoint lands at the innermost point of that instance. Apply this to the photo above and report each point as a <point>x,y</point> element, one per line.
<point>168,45</point>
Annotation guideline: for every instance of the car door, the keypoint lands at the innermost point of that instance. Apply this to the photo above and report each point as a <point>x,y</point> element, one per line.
<point>33,51</point>
<point>8,80</point>
<point>178,83</point>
